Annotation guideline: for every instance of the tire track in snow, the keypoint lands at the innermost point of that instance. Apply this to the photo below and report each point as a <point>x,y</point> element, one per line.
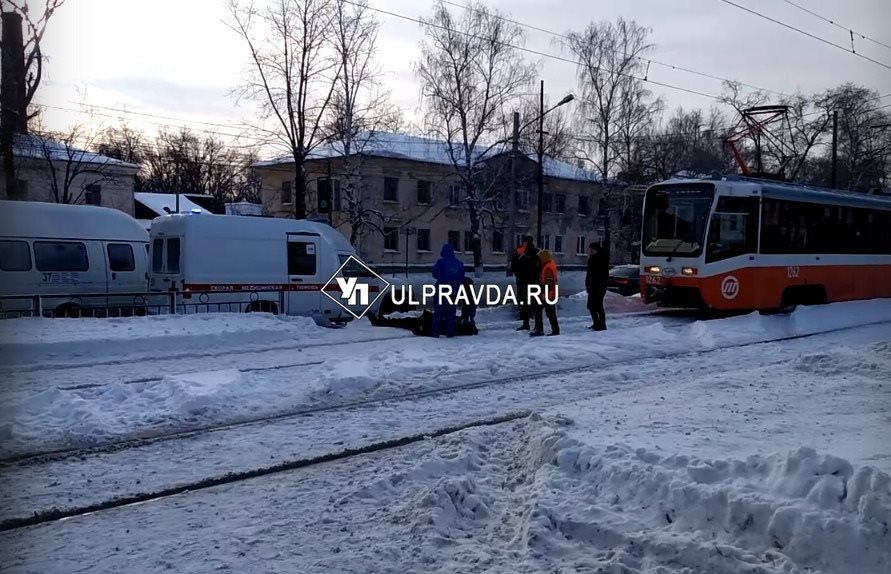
<point>146,438</point>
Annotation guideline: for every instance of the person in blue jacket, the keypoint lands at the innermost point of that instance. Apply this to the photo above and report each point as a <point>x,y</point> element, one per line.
<point>448,270</point>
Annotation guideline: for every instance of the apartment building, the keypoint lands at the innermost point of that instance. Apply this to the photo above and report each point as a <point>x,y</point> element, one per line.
<point>54,172</point>
<point>406,199</point>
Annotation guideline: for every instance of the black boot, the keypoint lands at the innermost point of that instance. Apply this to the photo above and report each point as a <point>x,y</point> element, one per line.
<point>523,327</point>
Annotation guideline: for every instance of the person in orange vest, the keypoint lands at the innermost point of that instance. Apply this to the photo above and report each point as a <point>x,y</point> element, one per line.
<point>548,280</point>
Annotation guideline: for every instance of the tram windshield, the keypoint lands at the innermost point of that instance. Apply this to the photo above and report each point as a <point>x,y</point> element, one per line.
<point>675,218</point>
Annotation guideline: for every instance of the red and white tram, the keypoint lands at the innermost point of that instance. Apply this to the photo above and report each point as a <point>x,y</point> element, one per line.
<point>736,243</point>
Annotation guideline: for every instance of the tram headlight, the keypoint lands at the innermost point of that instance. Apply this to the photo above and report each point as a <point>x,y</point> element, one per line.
<point>689,271</point>
<point>655,269</point>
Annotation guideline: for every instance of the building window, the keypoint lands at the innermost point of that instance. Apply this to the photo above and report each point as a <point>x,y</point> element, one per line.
<point>468,241</point>
<point>558,244</point>
<point>391,189</point>
<point>423,240</point>
<point>521,200</point>
<point>455,240</point>
<point>545,241</point>
<point>561,203</point>
<point>120,257</point>
<point>518,240</point>
<point>547,202</point>
<point>15,256</point>
<point>584,209</point>
<point>456,195</point>
<point>60,256</point>
<point>286,192</point>
<point>301,258</point>
<point>391,239</point>
<point>93,194</point>
<point>580,245</point>
<point>497,242</point>
<point>423,192</point>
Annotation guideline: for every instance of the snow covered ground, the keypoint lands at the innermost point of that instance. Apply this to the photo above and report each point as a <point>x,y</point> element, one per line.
<point>662,445</point>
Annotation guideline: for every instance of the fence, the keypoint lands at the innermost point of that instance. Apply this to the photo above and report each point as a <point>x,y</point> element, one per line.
<point>106,305</point>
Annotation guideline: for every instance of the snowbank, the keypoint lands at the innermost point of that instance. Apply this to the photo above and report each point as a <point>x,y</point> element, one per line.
<point>621,508</point>
<point>560,504</point>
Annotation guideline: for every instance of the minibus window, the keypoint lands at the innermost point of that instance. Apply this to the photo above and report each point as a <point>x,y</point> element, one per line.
<point>15,256</point>
<point>157,255</point>
<point>173,255</point>
<point>301,258</point>
<point>60,256</point>
<point>120,257</point>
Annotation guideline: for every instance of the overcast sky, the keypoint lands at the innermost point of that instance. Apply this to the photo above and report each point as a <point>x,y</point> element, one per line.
<point>178,59</point>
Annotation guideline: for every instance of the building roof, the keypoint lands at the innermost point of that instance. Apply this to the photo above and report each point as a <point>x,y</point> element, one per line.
<point>416,148</point>
<point>36,147</point>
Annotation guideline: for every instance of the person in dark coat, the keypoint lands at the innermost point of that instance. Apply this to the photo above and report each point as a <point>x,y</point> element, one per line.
<point>525,266</point>
<point>595,284</point>
<point>448,270</point>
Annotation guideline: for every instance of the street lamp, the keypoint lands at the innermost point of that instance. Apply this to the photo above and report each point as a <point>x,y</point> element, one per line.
<point>541,115</point>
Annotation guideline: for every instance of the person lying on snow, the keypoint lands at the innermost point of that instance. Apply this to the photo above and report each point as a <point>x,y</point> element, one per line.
<point>422,325</point>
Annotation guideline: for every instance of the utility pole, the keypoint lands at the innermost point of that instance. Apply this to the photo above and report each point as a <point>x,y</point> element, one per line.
<point>13,111</point>
<point>331,201</point>
<point>834,148</point>
<point>512,200</point>
<point>541,114</point>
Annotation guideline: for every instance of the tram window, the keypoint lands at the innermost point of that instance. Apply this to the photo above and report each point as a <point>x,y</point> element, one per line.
<point>796,227</point>
<point>733,229</point>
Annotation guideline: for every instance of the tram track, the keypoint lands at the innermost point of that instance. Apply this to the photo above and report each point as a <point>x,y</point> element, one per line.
<point>153,438</point>
<point>299,460</point>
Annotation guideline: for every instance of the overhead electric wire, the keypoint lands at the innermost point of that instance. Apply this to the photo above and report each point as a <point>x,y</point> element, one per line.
<point>422,22</point>
<point>808,34</point>
<point>837,24</point>
<point>642,58</point>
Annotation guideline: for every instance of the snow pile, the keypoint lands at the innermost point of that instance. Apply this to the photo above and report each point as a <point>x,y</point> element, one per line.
<point>633,510</point>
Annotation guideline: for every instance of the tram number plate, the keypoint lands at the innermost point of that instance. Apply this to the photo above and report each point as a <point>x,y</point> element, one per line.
<point>655,280</point>
<point>792,271</point>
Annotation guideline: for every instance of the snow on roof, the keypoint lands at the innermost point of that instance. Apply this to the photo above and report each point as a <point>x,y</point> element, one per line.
<point>165,203</point>
<point>35,147</point>
<point>416,148</point>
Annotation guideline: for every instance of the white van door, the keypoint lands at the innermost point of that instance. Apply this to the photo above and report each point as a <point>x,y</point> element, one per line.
<point>304,274</point>
<point>125,267</point>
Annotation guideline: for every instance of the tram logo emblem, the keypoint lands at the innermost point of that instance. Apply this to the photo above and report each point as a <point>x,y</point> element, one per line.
<point>730,287</point>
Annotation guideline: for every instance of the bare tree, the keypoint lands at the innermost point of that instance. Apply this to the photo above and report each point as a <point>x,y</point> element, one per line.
<point>183,162</point>
<point>471,73</point>
<point>293,74</point>
<point>359,108</point>
<point>559,139</point>
<point>22,63</point>
<point>610,61</point>
<point>863,142</point>
<point>72,171</point>
<point>689,141</point>
<point>637,115</point>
